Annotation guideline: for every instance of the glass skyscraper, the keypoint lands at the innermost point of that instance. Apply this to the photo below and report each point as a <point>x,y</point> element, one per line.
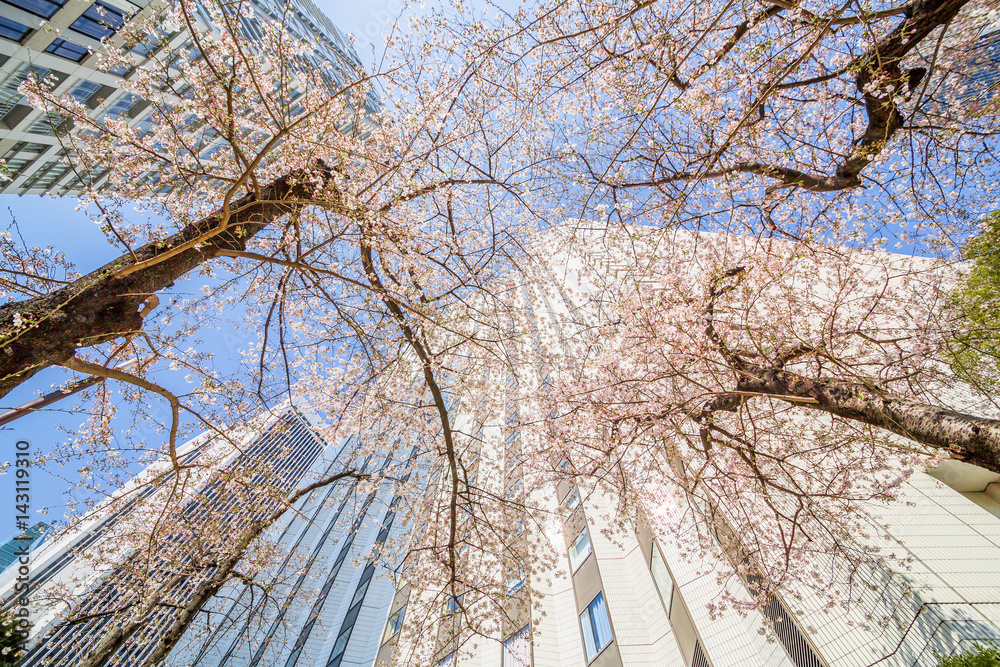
<point>60,39</point>
<point>22,543</point>
<point>326,584</point>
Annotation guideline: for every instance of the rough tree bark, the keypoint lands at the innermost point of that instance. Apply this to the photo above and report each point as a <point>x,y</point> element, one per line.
<point>966,437</point>
<point>105,304</point>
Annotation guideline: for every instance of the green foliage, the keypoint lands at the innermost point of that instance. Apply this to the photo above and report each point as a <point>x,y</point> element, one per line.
<point>975,342</point>
<point>10,642</point>
<point>982,655</point>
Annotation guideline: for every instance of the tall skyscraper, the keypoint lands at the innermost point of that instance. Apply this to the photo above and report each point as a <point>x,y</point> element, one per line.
<point>60,39</point>
<point>319,593</point>
<point>605,591</point>
<point>22,543</point>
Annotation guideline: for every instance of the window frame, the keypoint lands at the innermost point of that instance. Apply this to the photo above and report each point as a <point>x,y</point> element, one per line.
<point>59,44</point>
<point>94,26</point>
<point>35,12</point>
<point>592,628</point>
<point>656,556</point>
<point>572,551</point>
<point>524,634</point>
<point>12,25</point>
<point>394,624</point>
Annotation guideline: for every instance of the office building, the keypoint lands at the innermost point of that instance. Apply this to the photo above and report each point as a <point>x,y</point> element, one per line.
<point>60,39</point>
<point>22,543</point>
<point>600,589</point>
<point>319,593</point>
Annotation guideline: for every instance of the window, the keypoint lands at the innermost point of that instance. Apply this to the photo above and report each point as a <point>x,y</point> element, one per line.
<point>580,549</point>
<point>44,8</point>
<point>447,661</point>
<point>394,624</point>
<point>661,577</point>
<point>99,21</point>
<point>359,594</point>
<point>454,604</point>
<point>516,579</point>
<point>596,627</point>
<point>9,95</point>
<point>153,41</point>
<point>46,124</point>
<point>66,49</point>
<point>121,106</point>
<point>12,29</point>
<point>572,498</point>
<point>338,648</point>
<point>120,70</point>
<point>517,649</point>
<point>84,90</point>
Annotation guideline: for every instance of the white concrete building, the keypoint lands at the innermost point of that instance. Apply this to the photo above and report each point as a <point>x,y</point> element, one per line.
<point>633,598</point>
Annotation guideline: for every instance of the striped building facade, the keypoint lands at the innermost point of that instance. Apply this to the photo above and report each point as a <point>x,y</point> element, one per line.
<point>61,40</point>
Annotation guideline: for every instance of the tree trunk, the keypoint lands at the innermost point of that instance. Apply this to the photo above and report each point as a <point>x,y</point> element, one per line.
<point>968,438</point>
<point>103,305</point>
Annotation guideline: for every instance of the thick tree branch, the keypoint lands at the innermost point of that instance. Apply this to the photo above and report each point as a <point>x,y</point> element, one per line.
<point>105,304</point>
<point>970,438</point>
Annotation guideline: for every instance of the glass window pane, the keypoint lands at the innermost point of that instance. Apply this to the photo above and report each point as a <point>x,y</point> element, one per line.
<point>394,624</point>
<point>99,21</point>
<point>572,498</point>
<point>602,624</point>
<point>341,644</point>
<point>661,577</point>
<point>588,634</point>
<point>44,8</point>
<point>516,580</point>
<point>66,49</point>
<point>360,594</point>
<point>517,649</point>
<point>12,29</point>
<point>579,550</point>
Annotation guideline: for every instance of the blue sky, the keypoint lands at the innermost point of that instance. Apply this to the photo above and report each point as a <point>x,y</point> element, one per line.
<point>54,221</point>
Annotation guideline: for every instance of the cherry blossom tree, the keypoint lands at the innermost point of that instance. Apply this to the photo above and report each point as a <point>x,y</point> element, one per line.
<point>382,259</point>
<point>852,122</point>
<point>362,246</point>
<point>779,389</point>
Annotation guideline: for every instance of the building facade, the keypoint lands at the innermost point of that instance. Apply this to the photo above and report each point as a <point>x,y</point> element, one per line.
<point>22,543</point>
<point>61,39</point>
<point>605,591</point>
<point>320,592</point>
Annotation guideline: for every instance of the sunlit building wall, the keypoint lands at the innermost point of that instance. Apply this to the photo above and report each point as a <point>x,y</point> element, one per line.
<point>630,596</point>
